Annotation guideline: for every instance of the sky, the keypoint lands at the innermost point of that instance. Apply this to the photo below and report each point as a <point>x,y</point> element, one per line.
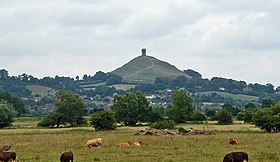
<point>233,39</point>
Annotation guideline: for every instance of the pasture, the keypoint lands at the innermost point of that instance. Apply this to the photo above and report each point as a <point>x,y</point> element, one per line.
<point>41,90</point>
<point>240,97</point>
<point>45,145</point>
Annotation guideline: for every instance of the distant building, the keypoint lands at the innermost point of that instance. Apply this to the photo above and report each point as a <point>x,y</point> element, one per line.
<point>143,51</point>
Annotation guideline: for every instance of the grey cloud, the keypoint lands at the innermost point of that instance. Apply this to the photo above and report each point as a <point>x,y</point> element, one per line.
<point>216,38</point>
<point>88,15</point>
<point>158,22</point>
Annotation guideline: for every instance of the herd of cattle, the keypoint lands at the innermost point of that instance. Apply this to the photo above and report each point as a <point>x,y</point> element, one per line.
<point>7,155</point>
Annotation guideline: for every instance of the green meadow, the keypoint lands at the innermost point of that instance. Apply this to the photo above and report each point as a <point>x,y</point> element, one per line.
<point>45,145</point>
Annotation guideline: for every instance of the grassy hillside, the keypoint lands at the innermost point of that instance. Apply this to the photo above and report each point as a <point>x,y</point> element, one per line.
<point>41,90</point>
<point>145,69</point>
<point>123,87</point>
<point>240,97</point>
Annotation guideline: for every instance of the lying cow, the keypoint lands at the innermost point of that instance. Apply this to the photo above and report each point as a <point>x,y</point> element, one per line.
<point>130,143</point>
<point>93,143</point>
<point>123,144</point>
<point>236,157</point>
<point>66,157</point>
<point>137,143</point>
<point>5,147</point>
<point>6,156</point>
<point>233,141</point>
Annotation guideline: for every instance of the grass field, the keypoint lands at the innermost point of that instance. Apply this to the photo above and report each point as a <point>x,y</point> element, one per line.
<point>123,87</point>
<point>41,90</point>
<point>240,97</point>
<point>45,145</point>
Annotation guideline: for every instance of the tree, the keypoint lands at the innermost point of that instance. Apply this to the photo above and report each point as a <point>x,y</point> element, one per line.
<point>131,108</point>
<point>267,103</point>
<point>278,89</point>
<point>103,120</point>
<point>198,116</point>
<point>145,88</point>
<point>224,117</point>
<point>250,106</point>
<point>113,79</point>
<point>246,115</point>
<point>268,118</point>
<point>7,114</point>
<point>49,120</point>
<point>69,109</point>
<point>233,110</point>
<point>156,114</point>
<point>4,74</point>
<point>179,82</point>
<point>16,102</point>
<point>210,112</point>
<point>193,73</point>
<point>182,107</point>
<point>100,76</point>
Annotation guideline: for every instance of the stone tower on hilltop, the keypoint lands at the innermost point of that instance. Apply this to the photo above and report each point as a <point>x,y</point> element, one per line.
<point>143,51</point>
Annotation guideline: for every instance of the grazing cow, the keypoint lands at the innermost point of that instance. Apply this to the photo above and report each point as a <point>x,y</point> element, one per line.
<point>5,147</point>
<point>6,156</point>
<point>236,157</point>
<point>93,143</point>
<point>67,157</point>
<point>233,141</point>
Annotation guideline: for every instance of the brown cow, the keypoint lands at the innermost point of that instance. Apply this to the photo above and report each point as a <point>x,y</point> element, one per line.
<point>93,143</point>
<point>236,157</point>
<point>5,147</point>
<point>6,156</point>
<point>67,157</point>
<point>141,142</point>
<point>130,143</point>
<point>233,141</point>
<point>137,143</point>
<point>123,144</point>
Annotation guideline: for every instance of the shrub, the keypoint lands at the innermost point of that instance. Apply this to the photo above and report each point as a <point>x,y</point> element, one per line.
<point>165,124</point>
<point>49,120</point>
<point>182,130</point>
<point>224,117</point>
<point>80,120</point>
<point>103,120</point>
<point>7,114</point>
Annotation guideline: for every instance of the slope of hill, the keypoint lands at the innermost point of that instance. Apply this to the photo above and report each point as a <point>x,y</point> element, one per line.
<point>145,69</point>
<point>41,90</point>
<point>241,97</point>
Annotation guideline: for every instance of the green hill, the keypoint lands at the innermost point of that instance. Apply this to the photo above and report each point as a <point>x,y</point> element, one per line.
<point>145,69</point>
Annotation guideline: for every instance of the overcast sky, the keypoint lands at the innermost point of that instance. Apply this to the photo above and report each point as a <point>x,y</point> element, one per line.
<point>234,39</point>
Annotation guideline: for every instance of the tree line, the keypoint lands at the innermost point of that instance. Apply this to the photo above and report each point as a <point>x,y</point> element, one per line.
<point>15,84</point>
<point>132,108</point>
